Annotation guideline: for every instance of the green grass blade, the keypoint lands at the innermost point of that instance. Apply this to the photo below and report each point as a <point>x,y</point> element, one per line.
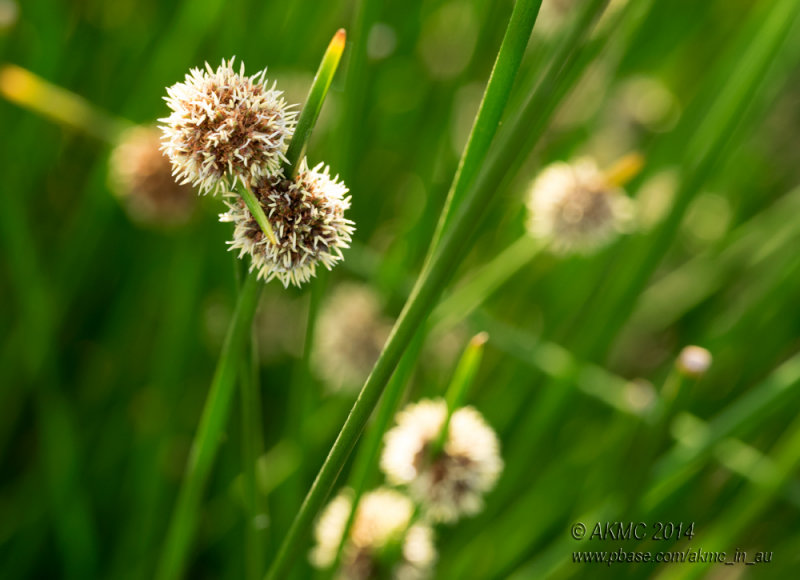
<point>206,441</point>
<point>491,108</point>
<point>316,96</point>
<point>463,378</point>
<point>252,449</point>
<point>485,282</point>
<point>257,212</point>
<point>62,106</point>
<point>778,390</point>
<point>370,449</point>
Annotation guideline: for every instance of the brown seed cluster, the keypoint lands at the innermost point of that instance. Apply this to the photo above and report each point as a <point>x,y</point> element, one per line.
<point>307,216</point>
<point>225,125</point>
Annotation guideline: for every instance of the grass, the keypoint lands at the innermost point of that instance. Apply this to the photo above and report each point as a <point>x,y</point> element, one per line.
<point>127,451</point>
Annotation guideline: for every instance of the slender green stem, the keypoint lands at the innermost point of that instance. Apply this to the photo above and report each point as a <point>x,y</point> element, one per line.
<point>466,370</point>
<point>491,109</point>
<point>779,390</point>
<point>437,272</point>
<point>300,394</point>
<point>486,281</point>
<point>368,456</point>
<point>206,441</point>
<point>301,377</point>
<point>252,449</point>
<point>316,96</point>
<point>257,212</point>
<point>652,431</point>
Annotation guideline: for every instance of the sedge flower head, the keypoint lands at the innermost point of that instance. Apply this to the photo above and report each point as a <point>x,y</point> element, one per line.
<point>225,126</point>
<point>575,208</point>
<point>351,331</point>
<point>382,538</point>
<point>307,217</point>
<point>141,178</point>
<point>452,483</point>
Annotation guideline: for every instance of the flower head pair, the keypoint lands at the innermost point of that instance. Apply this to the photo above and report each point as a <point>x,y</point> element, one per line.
<point>440,479</point>
<point>225,129</point>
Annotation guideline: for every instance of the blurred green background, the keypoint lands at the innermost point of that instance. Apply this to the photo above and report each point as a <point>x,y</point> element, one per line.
<point>110,329</point>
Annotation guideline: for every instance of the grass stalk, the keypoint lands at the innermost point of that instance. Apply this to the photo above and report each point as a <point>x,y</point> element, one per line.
<point>485,282</point>
<point>316,97</point>
<point>780,389</point>
<point>491,109</point>
<point>207,438</point>
<point>751,502</point>
<point>463,378</point>
<point>252,449</point>
<point>367,459</point>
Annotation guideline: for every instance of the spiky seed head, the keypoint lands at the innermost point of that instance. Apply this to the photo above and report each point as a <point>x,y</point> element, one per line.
<point>307,216</point>
<point>141,177</point>
<point>575,208</point>
<point>225,126</point>
<point>453,483</point>
<point>381,525</point>
<point>350,333</point>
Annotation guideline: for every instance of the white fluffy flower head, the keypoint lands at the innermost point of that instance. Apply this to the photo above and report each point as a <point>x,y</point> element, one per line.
<point>575,208</point>
<point>453,483</point>
<point>224,125</point>
<point>382,521</point>
<point>307,217</point>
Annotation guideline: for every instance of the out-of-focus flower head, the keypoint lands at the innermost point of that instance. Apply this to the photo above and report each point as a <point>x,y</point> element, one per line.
<point>350,334</point>
<point>576,208</point>
<point>141,177</point>
<point>382,539</point>
<point>307,216</point>
<point>225,126</point>
<point>452,483</point>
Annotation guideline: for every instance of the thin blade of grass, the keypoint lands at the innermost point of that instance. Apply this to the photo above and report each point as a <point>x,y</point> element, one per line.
<point>490,111</point>
<point>316,96</point>
<point>368,455</point>
<point>206,440</point>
